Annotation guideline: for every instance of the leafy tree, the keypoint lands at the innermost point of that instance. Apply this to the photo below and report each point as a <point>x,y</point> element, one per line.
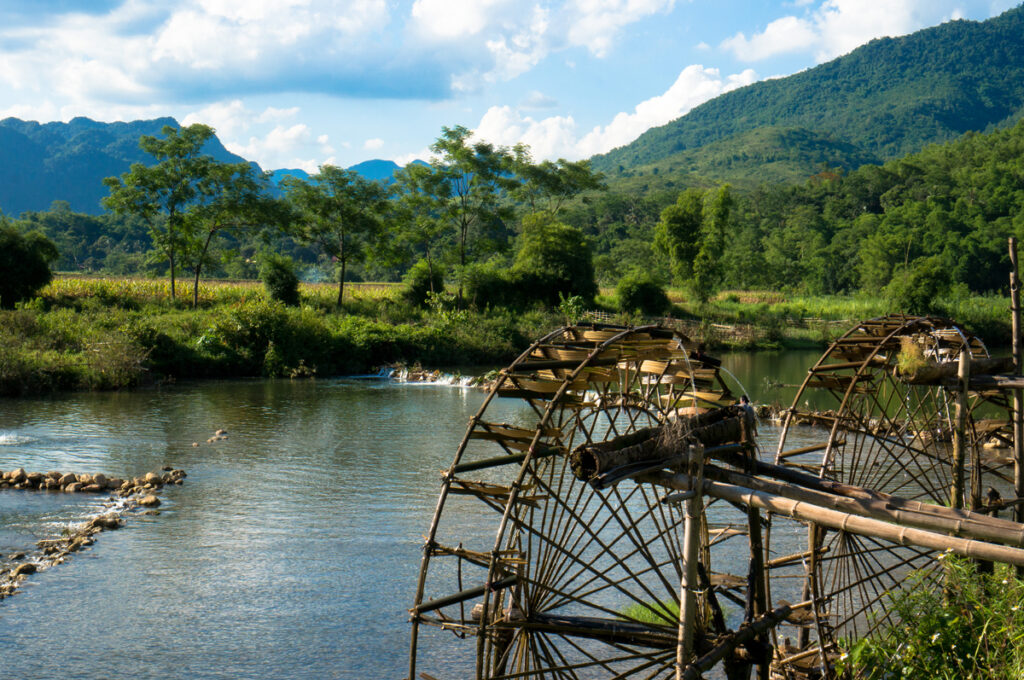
<point>707,269</point>
<point>678,233</point>
<point>24,263</point>
<point>463,189</point>
<point>549,185</point>
<point>341,214</point>
<point>165,194</point>
<point>234,198</point>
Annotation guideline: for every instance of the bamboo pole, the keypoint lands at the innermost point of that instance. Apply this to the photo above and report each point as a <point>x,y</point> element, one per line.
<point>691,546</point>
<point>978,527</point>
<point>843,521</point>
<point>1018,398</point>
<point>963,374</point>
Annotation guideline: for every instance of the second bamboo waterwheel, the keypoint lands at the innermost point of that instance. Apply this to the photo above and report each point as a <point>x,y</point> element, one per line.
<point>884,397</point>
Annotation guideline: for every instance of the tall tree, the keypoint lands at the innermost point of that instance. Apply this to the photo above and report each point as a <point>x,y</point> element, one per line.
<point>164,194</point>
<point>678,233</point>
<point>707,265</point>
<point>341,214</point>
<point>234,198</point>
<point>463,188</point>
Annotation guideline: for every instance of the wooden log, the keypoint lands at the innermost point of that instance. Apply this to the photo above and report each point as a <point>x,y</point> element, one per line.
<point>514,459</point>
<point>936,374</point>
<point>843,521</point>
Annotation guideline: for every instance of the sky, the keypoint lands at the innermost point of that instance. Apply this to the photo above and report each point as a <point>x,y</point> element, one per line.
<point>301,83</point>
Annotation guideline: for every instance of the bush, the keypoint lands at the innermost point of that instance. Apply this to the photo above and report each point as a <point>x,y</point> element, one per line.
<point>278,274</point>
<point>24,264</point>
<point>555,258</point>
<point>917,291</point>
<point>639,291</point>
<point>422,278</point>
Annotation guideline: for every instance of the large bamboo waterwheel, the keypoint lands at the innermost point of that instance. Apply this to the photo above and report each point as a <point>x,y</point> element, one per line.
<point>570,581</point>
<point>887,428</point>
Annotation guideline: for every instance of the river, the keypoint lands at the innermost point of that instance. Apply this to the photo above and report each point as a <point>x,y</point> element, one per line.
<point>292,548</point>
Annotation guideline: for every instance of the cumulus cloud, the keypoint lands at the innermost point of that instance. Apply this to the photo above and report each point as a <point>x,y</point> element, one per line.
<point>836,27</point>
<point>560,136</point>
<point>373,144</point>
<point>245,132</point>
<point>595,23</point>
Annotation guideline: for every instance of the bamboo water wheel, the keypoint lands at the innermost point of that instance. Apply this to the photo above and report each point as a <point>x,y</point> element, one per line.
<point>615,529</point>
<point>573,582</point>
<point>886,399</point>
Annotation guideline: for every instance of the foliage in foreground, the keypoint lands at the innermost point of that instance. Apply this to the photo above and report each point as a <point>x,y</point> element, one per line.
<point>968,627</point>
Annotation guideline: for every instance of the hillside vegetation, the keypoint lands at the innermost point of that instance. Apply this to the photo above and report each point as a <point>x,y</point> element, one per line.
<point>884,100</point>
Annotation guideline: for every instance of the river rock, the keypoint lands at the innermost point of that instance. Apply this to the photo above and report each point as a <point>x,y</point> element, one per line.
<point>74,487</point>
<point>17,476</point>
<point>109,521</point>
<point>27,568</point>
<point>92,488</point>
<point>69,478</point>
<point>35,478</point>
<point>149,501</point>
<point>85,478</point>
<point>53,474</point>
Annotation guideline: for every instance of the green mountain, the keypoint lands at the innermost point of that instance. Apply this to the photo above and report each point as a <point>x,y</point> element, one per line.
<point>886,99</point>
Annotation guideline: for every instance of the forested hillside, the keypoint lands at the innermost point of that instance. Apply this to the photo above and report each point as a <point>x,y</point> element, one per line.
<point>884,100</point>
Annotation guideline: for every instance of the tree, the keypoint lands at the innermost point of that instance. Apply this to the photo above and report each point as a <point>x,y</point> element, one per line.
<point>341,214</point>
<point>707,267</point>
<point>548,185</point>
<point>166,193</point>
<point>678,233</point>
<point>24,264</point>
<point>233,198</point>
<point>463,189</point>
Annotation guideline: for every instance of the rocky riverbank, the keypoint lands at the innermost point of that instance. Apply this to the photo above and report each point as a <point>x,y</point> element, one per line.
<point>127,495</point>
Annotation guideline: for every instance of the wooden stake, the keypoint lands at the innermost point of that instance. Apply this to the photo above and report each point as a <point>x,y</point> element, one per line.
<point>956,499</point>
<point>691,547</point>
<point>1018,400</point>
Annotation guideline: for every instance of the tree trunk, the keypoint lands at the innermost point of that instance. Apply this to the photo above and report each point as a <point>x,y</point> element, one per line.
<point>199,268</point>
<point>341,283</point>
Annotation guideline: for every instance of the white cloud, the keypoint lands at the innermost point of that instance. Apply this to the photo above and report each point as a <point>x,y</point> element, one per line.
<point>836,27</point>
<point>559,136</point>
<point>373,144</point>
<point>450,19</point>
<point>538,100</point>
<point>594,24</point>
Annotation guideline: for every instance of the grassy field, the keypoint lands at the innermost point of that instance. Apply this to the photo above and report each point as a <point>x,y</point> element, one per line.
<point>99,333</point>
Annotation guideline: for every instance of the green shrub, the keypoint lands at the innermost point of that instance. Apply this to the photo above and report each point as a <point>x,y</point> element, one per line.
<point>917,291</point>
<point>279,278</point>
<point>554,258</point>
<point>957,623</point>
<point>421,279</point>
<point>24,264</point>
<point>639,291</point>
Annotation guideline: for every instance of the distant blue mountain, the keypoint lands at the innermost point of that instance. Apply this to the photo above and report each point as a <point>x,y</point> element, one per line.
<point>42,163</point>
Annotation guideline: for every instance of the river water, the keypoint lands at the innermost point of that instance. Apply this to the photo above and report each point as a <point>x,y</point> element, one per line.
<point>292,548</point>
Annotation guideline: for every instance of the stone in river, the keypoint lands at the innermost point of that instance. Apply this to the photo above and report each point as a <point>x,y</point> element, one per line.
<point>69,478</point>
<point>27,568</point>
<point>149,501</point>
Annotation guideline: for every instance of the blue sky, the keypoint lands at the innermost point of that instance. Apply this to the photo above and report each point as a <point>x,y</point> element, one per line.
<point>298,83</point>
